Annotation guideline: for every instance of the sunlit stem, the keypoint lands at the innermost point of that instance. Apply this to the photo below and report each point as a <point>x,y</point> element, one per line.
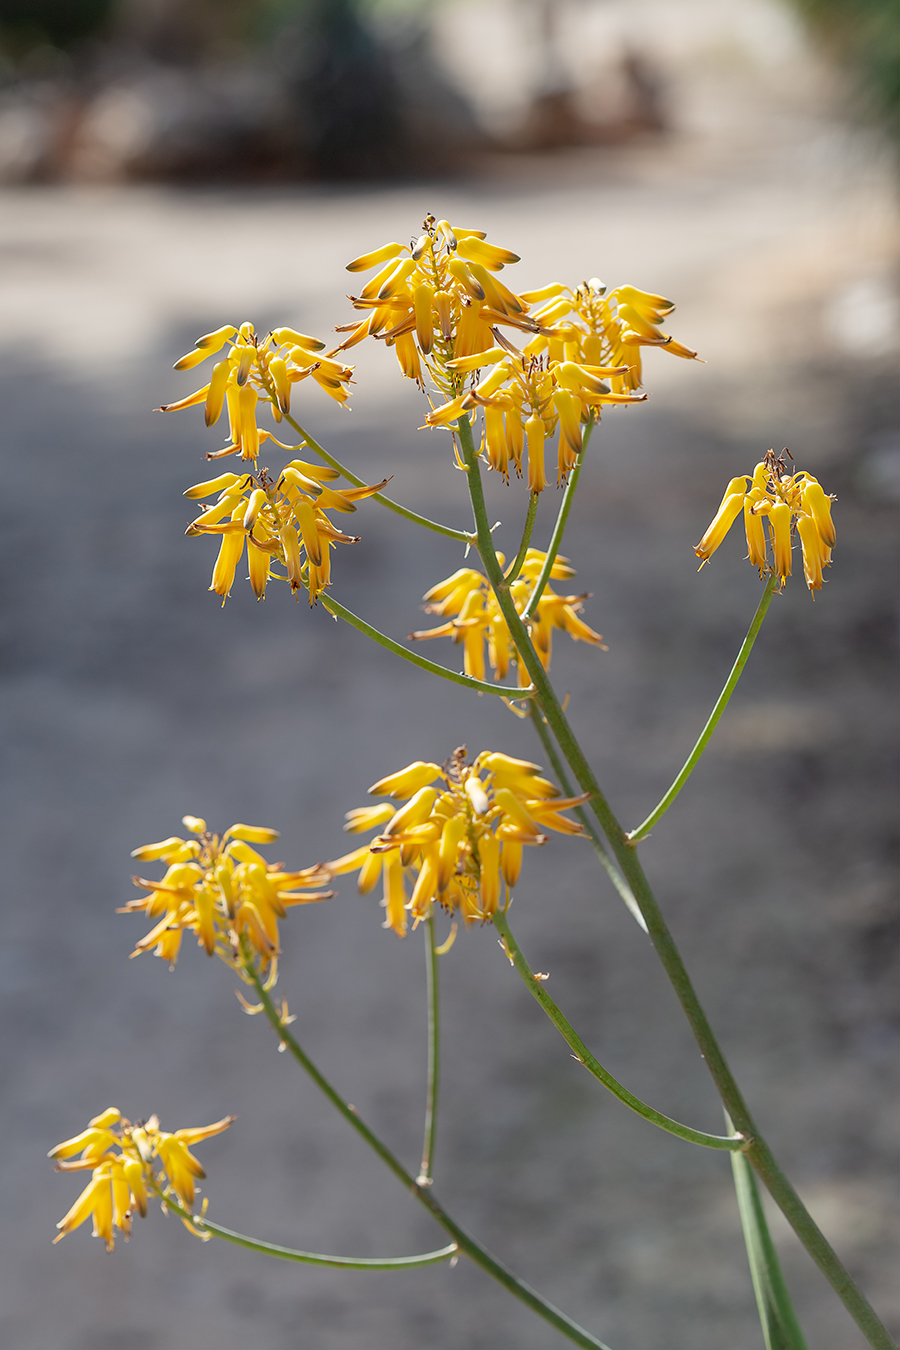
<point>536,988</point>
<point>467,1245</point>
<point>625,852</point>
<point>590,828</point>
<point>434,1052</point>
<point>642,831</point>
<point>204,1226</point>
<point>338,610</point>
<point>403,511</point>
<point>559,528</point>
<point>516,568</point>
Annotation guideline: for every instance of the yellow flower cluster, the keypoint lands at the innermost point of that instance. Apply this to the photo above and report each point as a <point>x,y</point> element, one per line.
<point>276,518</point>
<point>223,890</point>
<point>778,501</point>
<point>468,596</point>
<point>257,369</point>
<point>463,839</point>
<point>122,1168</point>
<point>440,302</point>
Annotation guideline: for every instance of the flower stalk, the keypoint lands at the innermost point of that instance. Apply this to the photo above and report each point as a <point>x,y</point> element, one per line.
<point>527,532</point>
<point>625,852</point>
<point>771,587</point>
<point>534,985</point>
<point>340,611</point>
<point>413,516</point>
<point>432,973</point>
<point>466,1244</point>
<point>559,528</point>
<point>206,1227</point>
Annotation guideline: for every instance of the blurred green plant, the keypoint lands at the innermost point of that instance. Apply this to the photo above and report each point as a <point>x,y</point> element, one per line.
<point>25,24</point>
<point>863,36</point>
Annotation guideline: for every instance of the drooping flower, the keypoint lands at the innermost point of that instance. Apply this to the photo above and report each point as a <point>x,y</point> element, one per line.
<point>478,621</point>
<point>257,369</point>
<point>123,1160</point>
<point>281,520</point>
<point>223,890</point>
<point>775,504</point>
<point>460,834</point>
<point>440,304</point>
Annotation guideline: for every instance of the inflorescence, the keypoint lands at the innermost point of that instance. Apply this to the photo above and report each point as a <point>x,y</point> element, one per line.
<point>128,1162</point>
<point>462,840</point>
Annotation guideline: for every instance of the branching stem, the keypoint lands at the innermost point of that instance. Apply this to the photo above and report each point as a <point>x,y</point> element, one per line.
<point>527,532</point>
<point>434,1052</point>
<point>582,816</point>
<point>467,1244</point>
<point>404,511</point>
<point>536,988</point>
<point>758,1152</point>
<point>339,611</point>
<point>559,528</point>
<point>721,704</point>
<point>204,1226</point>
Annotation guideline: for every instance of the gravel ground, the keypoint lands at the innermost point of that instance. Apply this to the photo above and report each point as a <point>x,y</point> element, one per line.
<point>130,698</point>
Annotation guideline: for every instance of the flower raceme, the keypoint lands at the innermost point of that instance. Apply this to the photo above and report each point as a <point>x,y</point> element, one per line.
<point>281,520</point>
<point>478,619</point>
<point>442,307</point>
<point>775,501</point>
<point>257,369</point>
<point>123,1160</point>
<point>222,889</point>
<point>461,833</point>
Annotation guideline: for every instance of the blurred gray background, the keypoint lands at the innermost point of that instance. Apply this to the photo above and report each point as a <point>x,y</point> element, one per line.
<point>762,204</point>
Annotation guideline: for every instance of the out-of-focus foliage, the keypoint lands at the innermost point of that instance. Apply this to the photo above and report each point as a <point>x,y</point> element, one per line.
<point>58,23</point>
<point>865,36</point>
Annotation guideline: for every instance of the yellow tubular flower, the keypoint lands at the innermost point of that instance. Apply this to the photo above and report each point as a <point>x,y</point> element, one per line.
<point>281,520</point>
<point>478,619</point>
<point>258,369</point>
<point>461,837</point>
<point>127,1170</point>
<point>227,895</point>
<point>788,501</point>
<point>534,433</point>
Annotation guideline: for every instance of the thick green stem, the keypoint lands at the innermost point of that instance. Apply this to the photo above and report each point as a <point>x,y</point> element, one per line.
<point>467,1244</point>
<point>403,511</point>
<point>513,572</point>
<point>336,609</point>
<point>434,1052</point>
<point>584,819</point>
<point>204,1226</point>
<point>536,988</point>
<point>625,852</point>
<point>559,528</point>
<point>721,704</point>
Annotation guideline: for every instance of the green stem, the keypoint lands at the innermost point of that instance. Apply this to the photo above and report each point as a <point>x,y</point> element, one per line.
<point>336,609</point>
<point>536,988</point>
<point>579,812</point>
<point>403,511</point>
<point>434,1052</point>
<point>467,1244</point>
<point>780,1327</point>
<point>626,855</point>
<point>306,1258</point>
<point>559,528</point>
<point>721,704</point>
<point>516,568</point>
